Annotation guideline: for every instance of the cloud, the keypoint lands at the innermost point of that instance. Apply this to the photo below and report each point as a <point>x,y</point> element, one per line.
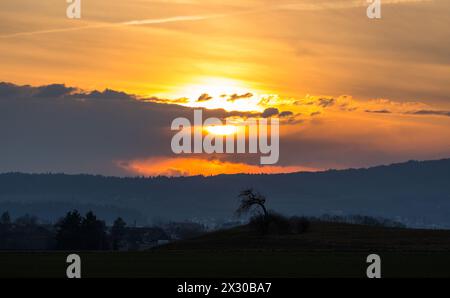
<point>317,105</point>
<point>204,97</point>
<point>127,23</point>
<point>326,102</point>
<point>385,106</point>
<point>316,5</point>
<point>322,102</point>
<point>8,90</point>
<point>378,111</point>
<point>132,136</point>
<point>430,112</point>
<point>235,97</point>
<point>286,114</point>
<point>270,112</point>
<point>182,100</point>
<point>54,90</point>
<point>106,94</point>
<point>87,132</point>
<point>58,91</point>
<point>333,5</point>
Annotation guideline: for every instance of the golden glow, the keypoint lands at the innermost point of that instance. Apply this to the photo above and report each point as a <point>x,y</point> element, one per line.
<point>218,92</point>
<point>252,53</point>
<point>187,166</point>
<point>213,86</point>
<point>223,130</point>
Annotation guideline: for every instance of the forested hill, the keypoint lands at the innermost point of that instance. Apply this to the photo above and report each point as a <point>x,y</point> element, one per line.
<point>414,191</point>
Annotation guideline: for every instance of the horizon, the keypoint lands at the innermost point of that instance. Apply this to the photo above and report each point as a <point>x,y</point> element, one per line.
<point>234,174</point>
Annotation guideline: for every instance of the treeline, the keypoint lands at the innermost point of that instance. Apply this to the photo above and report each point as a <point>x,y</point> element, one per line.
<point>76,232</point>
<point>362,220</point>
<point>278,224</point>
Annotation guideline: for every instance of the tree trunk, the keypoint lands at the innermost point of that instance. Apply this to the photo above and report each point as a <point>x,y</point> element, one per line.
<point>266,214</point>
<point>266,219</point>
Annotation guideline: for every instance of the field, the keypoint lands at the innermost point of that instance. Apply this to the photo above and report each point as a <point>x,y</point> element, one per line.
<point>326,250</point>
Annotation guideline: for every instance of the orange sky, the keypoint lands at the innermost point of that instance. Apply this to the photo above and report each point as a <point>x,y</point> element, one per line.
<point>382,85</point>
<point>186,166</point>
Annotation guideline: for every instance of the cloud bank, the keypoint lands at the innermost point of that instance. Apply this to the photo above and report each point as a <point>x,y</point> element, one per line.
<point>56,128</point>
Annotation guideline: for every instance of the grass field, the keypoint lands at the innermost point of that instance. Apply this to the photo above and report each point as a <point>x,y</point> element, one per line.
<point>327,250</point>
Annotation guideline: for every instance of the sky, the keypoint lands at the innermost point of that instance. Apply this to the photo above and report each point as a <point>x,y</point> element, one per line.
<point>98,94</point>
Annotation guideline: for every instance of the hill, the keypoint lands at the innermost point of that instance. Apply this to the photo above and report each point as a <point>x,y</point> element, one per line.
<point>326,250</point>
<point>321,236</point>
<point>417,193</point>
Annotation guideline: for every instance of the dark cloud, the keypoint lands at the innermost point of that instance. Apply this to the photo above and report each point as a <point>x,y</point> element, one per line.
<point>269,112</point>
<point>95,136</point>
<point>326,102</point>
<point>378,111</point>
<point>106,94</point>
<point>285,114</point>
<point>419,112</point>
<point>84,136</point>
<point>7,90</point>
<point>314,114</point>
<point>204,97</point>
<point>181,100</point>
<point>235,96</point>
<point>430,112</point>
<point>55,90</point>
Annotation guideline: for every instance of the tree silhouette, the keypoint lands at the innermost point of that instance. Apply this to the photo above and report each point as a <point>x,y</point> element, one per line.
<point>75,232</point>
<point>250,198</point>
<point>5,227</point>
<point>5,219</point>
<point>68,235</point>
<point>93,233</point>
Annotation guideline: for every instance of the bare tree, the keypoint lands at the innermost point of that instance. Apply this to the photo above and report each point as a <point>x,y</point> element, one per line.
<point>250,198</point>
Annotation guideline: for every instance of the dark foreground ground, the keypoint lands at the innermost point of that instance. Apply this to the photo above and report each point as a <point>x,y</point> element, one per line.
<point>326,250</point>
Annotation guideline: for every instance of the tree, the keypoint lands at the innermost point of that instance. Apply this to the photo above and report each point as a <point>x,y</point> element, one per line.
<point>68,235</point>
<point>5,219</point>
<point>5,227</point>
<point>250,198</point>
<point>118,233</point>
<point>75,232</point>
<point>93,233</point>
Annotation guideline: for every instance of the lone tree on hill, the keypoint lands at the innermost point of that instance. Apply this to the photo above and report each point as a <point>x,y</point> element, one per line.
<point>250,198</point>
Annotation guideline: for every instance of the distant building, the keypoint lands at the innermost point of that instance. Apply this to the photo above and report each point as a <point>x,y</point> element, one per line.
<point>142,238</point>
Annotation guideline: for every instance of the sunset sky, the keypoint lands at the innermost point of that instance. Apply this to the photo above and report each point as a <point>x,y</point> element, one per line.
<point>350,91</point>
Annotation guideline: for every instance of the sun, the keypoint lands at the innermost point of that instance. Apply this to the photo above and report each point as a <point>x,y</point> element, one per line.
<point>218,92</point>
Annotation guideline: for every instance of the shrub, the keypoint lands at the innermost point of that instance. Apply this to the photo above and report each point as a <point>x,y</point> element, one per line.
<point>277,224</point>
<point>299,225</point>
